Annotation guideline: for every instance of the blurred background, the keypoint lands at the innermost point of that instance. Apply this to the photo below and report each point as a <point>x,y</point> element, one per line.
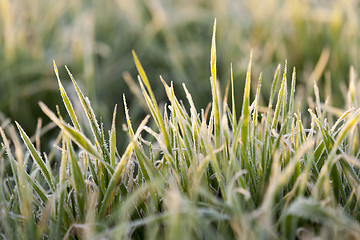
<point>172,38</point>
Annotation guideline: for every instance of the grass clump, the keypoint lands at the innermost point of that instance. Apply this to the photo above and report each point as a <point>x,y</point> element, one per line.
<point>313,36</point>
<point>194,174</point>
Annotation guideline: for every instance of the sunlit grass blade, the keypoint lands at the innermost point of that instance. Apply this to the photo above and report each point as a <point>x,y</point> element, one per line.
<point>166,146</point>
<point>292,93</point>
<point>256,107</point>
<point>180,118</point>
<point>98,134</point>
<point>233,112</point>
<point>66,100</point>
<point>37,158</point>
<point>280,99</point>
<point>152,101</point>
<point>215,101</point>
<point>74,134</point>
<point>92,119</point>
<point>112,139</point>
<point>245,114</point>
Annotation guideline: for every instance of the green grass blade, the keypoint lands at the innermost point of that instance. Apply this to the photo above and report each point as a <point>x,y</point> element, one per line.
<point>211,151</point>
<point>144,163</point>
<point>66,100</point>
<point>234,121</point>
<point>15,168</point>
<point>112,140</point>
<point>245,115</point>
<point>280,99</point>
<point>37,158</point>
<point>267,147</point>
<point>292,92</point>
<point>13,163</point>
<point>74,134</point>
<point>92,119</point>
<point>256,108</point>
<point>61,211</point>
<point>80,189</point>
<point>215,101</point>
<point>180,118</point>
<point>156,113</point>
<point>195,121</point>
<point>116,177</point>
<point>332,147</point>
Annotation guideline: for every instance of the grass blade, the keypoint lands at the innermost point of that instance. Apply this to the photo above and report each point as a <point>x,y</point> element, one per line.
<point>37,158</point>
<point>92,119</point>
<point>112,140</point>
<point>215,101</point>
<point>66,100</point>
<point>116,177</point>
<point>156,113</point>
<point>245,114</point>
<point>74,134</point>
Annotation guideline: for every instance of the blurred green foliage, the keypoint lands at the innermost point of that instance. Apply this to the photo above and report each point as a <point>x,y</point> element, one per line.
<point>95,38</point>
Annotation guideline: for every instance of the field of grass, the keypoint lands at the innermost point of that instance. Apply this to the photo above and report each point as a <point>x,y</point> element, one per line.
<point>188,173</point>
<point>171,38</point>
